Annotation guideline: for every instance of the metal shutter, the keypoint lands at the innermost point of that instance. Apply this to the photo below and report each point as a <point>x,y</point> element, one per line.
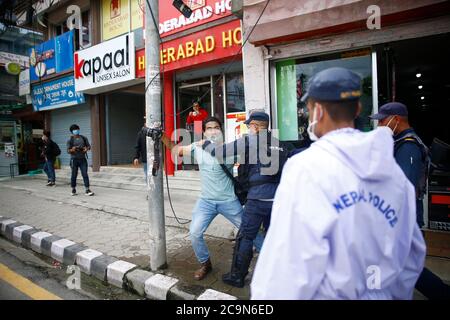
<point>62,119</point>
<point>126,118</point>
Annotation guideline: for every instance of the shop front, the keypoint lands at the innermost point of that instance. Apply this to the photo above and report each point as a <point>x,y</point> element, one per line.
<point>203,67</point>
<point>107,72</point>
<point>395,62</point>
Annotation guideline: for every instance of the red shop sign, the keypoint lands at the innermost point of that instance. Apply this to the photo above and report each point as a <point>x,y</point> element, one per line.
<point>214,44</point>
<point>172,21</point>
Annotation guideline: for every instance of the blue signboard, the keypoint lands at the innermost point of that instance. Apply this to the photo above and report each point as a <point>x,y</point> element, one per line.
<point>52,56</point>
<point>55,94</point>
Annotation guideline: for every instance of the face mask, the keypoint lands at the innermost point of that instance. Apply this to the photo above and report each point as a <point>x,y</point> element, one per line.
<point>392,130</point>
<point>76,132</point>
<point>312,125</point>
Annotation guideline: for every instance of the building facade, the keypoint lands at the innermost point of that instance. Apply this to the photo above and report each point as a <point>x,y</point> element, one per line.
<point>399,49</point>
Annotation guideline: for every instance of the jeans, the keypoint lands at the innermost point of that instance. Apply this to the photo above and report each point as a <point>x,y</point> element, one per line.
<point>83,165</point>
<point>203,214</point>
<point>49,169</point>
<point>256,213</point>
<point>144,165</point>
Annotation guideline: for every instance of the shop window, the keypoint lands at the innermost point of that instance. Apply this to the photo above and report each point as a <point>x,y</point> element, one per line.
<point>292,78</point>
<point>235,92</point>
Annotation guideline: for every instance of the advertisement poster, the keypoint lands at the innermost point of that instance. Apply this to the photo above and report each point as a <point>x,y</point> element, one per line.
<point>10,150</point>
<point>52,56</point>
<point>56,94</point>
<point>235,125</point>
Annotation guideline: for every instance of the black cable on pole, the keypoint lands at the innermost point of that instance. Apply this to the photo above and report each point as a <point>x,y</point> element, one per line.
<point>162,121</point>
<point>212,87</point>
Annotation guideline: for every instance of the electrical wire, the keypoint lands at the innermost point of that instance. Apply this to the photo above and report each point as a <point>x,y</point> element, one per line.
<point>225,70</point>
<point>235,56</point>
<point>163,151</point>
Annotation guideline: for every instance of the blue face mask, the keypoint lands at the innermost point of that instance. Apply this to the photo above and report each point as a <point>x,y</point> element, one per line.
<point>76,132</point>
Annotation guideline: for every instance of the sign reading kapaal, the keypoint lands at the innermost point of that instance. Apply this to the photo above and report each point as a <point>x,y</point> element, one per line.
<point>109,64</point>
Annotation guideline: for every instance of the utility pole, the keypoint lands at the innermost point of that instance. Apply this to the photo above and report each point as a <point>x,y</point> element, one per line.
<point>158,258</point>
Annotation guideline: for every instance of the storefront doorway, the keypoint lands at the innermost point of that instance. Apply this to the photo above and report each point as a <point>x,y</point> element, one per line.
<point>416,73</point>
<point>197,90</point>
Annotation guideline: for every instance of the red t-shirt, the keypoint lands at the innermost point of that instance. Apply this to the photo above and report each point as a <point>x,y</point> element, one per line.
<point>200,116</point>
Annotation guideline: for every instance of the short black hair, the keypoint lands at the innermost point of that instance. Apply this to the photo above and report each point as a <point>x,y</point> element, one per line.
<point>74,127</point>
<point>46,133</point>
<point>211,119</point>
<point>340,110</point>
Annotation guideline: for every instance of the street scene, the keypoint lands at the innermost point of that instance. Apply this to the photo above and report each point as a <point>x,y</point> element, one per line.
<point>225,150</point>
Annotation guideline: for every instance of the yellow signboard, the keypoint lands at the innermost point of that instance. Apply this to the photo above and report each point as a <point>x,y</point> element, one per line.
<point>116,17</point>
<point>137,14</point>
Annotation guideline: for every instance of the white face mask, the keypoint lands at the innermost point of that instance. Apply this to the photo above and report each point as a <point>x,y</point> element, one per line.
<point>312,125</point>
<point>392,130</point>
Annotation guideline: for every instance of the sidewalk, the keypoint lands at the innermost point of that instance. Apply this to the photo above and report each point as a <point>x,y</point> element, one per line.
<point>115,222</point>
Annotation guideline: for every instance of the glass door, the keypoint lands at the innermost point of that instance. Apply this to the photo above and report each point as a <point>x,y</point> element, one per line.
<point>188,93</point>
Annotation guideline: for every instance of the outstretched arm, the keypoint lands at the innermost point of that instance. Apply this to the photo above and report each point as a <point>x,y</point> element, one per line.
<point>175,149</point>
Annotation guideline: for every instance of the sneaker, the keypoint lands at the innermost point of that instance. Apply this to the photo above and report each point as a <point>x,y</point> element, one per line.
<point>89,192</point>
<point>49,184</point>
<point>74,192</point>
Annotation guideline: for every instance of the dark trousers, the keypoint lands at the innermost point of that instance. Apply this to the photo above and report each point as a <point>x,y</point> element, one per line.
<point>256,213</point>
<point>83,165</point>
<point>432,287</point>
<point>49,169</point>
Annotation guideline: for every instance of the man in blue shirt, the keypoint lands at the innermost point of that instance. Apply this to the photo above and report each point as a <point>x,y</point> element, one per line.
<point>411,155</point>
<point>217,193</point>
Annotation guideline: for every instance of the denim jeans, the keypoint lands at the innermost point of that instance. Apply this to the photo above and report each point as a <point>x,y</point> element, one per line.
<point>49,169</point>
<point>83,165</point>
<point>203,214</point>
<point>144,165</point>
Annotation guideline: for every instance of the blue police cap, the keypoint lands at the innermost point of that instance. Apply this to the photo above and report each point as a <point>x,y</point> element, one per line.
<point>390,109</point>
<point>257,115</point>
<point>334,84</point>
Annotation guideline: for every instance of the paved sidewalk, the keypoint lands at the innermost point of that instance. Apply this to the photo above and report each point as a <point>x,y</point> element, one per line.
<point>115,222</point>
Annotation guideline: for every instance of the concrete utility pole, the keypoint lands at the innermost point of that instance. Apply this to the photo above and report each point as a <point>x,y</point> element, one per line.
<point>158,258</point>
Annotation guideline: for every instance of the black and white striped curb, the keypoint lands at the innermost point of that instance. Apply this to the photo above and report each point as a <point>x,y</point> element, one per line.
<point>115,272</point>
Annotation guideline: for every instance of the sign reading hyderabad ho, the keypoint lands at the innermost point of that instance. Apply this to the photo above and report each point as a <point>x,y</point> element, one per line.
<point>106,66</point>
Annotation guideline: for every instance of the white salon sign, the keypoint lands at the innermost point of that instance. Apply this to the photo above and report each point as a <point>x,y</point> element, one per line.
<point>108,64</point>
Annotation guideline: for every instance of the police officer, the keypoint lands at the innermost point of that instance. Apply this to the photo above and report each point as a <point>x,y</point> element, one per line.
<point>413,158</point>
<point>410,152</point>
<point>342,225</point>
<point>265,157</point>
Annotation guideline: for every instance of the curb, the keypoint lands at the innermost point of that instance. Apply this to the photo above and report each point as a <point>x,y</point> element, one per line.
<point>108,269</point>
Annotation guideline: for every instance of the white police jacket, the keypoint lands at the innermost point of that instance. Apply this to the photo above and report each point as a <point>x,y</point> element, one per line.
<point>343,224</point>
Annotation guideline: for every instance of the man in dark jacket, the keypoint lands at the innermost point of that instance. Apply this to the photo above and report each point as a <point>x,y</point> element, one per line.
<point>141,151</point>
<point>265,158</point>
<point>78,146</point>
<point>411,155</point>
<point>50,151</point>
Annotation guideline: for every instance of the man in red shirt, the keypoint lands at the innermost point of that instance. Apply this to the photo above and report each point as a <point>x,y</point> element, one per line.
<point>199,114</point>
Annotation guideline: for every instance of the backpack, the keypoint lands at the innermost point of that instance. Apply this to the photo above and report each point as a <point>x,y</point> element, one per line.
<point>421,188</point>
<point>56,149</point>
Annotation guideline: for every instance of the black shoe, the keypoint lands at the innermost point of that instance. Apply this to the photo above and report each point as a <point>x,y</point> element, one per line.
<point>74,192</point>
<point>233,279</point>
<point>49,184</point>
<point>89,192</point>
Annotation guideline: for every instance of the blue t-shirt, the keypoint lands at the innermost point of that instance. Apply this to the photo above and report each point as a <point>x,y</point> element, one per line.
<point>216,185</point>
